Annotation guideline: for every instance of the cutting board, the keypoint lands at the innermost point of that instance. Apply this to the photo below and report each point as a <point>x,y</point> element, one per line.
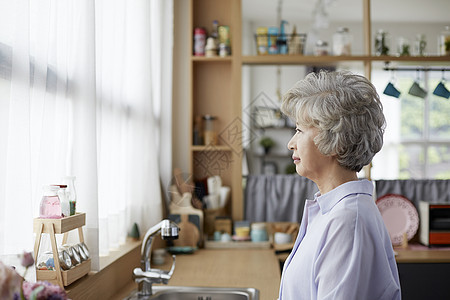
<point>189,234</point>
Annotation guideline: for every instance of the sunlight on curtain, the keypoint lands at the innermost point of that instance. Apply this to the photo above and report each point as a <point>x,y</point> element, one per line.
<point>76,99</point>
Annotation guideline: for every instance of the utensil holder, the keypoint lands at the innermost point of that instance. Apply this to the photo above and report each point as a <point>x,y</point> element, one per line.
<point>60,226</point>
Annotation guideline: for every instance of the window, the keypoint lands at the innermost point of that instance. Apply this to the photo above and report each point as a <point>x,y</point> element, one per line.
<point>417,139</point>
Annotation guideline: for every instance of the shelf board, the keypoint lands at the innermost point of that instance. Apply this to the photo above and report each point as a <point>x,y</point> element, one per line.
<point>210,148</point>
<point>210,59</point>
<point>326,60</point>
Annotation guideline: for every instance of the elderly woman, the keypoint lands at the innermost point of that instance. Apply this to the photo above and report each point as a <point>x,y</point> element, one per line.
<point>343,250</point>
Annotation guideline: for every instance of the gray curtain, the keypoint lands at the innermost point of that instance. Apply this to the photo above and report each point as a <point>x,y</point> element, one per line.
<point>277,198</point>
<point>433,191</point>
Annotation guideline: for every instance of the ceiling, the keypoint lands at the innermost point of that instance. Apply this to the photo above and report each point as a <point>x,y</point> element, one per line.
<point>419,11</point>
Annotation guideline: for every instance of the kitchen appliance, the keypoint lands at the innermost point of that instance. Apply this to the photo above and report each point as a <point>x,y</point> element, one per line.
<point>434,223</point>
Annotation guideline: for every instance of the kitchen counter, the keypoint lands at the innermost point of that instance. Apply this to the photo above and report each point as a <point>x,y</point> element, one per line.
<point>422,254</point>
<point>256,268</point>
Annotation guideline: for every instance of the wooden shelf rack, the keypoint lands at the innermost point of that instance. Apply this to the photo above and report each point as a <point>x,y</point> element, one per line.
<point>60,226</point>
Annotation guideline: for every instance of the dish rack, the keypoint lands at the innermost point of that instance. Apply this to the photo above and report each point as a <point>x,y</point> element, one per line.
<point>60,226</point>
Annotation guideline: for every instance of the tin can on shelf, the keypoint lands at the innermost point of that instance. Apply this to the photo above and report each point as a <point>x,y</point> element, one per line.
<point>199,41</point>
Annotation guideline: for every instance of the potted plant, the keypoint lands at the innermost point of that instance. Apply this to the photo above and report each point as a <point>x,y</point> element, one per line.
<point>267,143</point>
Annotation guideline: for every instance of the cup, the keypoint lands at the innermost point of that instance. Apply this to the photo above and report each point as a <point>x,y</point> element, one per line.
<point>417,91</point>
<point>391,90</point>
<point>258,232</point>
<point>282,238</point>
<point>441,90</point>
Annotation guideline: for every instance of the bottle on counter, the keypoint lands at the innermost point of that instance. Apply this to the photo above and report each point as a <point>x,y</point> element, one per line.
<point>65,206</point>
<point>50,207</point>
<point>71,193</point>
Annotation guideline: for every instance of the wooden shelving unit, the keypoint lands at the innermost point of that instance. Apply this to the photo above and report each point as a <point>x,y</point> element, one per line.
<point>60,226</point>
<point>215,86</point>
<point>215,90</point>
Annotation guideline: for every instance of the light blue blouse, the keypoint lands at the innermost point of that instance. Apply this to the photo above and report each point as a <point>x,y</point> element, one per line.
<point>343,249</point>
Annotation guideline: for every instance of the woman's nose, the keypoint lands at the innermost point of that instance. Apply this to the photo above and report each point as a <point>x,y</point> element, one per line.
<point>291,144</point>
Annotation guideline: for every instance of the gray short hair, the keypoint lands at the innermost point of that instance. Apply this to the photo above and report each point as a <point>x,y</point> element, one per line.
<point>346,109</point>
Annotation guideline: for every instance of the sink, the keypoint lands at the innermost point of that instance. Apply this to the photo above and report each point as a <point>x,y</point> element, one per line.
<point>161,292</point>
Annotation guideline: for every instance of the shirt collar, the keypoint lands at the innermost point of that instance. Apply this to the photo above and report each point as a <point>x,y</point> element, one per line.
<point>329,200</point>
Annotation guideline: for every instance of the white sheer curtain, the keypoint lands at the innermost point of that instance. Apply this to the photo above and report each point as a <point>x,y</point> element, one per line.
<point>77,98</point>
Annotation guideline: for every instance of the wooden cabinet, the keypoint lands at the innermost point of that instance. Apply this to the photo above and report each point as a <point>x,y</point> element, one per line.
<point>215,85</point>
<point>215,90</point>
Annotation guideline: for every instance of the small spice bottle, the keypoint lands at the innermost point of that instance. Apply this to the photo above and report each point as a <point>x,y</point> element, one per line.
<point>321,48</point>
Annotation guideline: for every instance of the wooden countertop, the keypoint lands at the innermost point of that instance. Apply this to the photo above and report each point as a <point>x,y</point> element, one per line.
<point>412,254</point>
<point>255,268</point>
<point>422,254</point>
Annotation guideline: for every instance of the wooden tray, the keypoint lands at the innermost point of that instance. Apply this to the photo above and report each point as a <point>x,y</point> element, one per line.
<point>61,225</point>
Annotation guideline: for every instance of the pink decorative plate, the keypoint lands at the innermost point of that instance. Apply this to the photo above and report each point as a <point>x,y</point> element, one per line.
<point>399,215</point>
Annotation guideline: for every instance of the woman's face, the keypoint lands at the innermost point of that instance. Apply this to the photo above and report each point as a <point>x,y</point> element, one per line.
<point>308,160</point>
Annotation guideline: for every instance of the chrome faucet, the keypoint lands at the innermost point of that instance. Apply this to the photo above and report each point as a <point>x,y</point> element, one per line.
<point>146,276</point>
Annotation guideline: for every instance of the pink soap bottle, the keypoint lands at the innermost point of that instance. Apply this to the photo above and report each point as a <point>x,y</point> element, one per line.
<point>50,207</point>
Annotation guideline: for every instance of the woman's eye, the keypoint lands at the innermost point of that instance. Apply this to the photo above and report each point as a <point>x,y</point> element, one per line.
<point>297,130</point>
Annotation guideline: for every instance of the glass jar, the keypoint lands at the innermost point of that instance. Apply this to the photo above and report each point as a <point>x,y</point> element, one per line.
<point>258,232</point>
<point>210,134</point>
<point>403,47</point>
<point>342,42</point>
<point>65,206</point>
<point>321,48</point>
<point>444,41</point>
<point>46,260</point>
<point>71,193</point>
<point>50,207</point>
<point>420,45</point>
<point>382,41</point>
